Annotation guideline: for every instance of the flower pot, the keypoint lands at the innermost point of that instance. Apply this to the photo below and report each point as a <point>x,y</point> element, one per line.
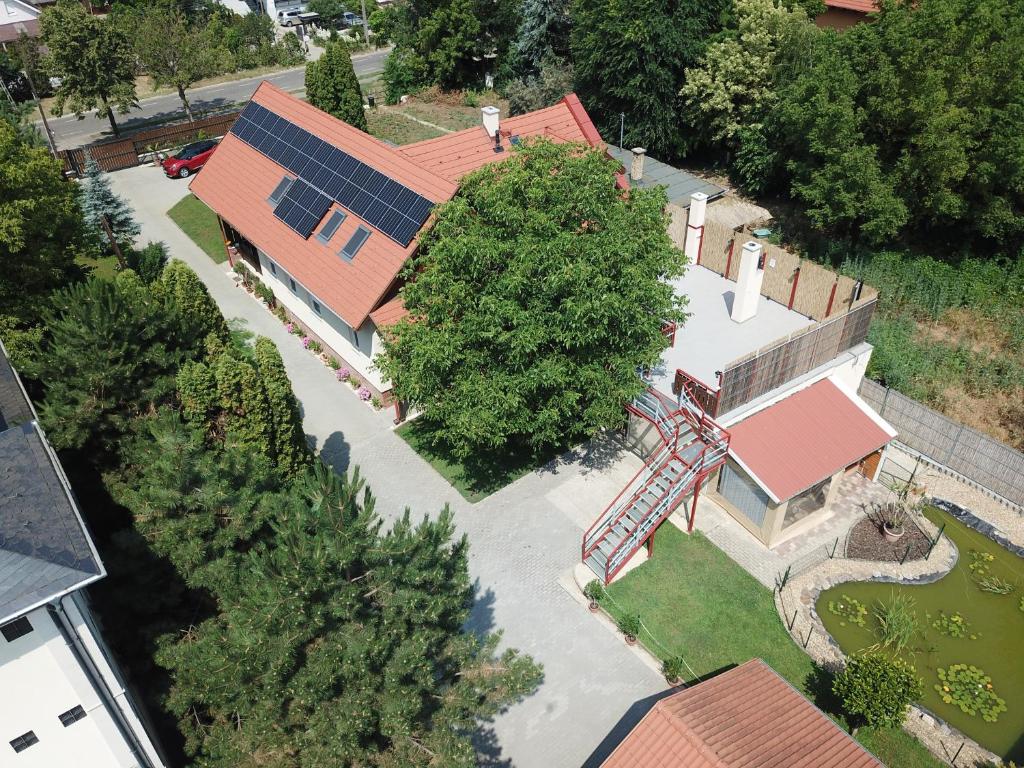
<point>593,606</point>
<point>892,534</point>
<point>673,681</point>
<point>630,640</point>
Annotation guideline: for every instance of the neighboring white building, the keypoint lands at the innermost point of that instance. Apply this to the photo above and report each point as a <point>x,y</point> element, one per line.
<point>64,701</point>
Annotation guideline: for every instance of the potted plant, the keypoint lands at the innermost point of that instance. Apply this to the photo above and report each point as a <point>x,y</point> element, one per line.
<point>593,591</point>
<point>672,669</point>
<point>629,626</point>
<point>901,506</point>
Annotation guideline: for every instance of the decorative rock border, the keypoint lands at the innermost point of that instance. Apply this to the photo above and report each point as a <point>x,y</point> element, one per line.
<point>796,603</point>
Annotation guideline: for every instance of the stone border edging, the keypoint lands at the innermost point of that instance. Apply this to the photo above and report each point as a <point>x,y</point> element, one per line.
<point>796,602</point>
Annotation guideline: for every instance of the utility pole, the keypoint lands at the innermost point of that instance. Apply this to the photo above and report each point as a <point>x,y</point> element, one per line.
<point>42,112</point>
<point>622,128</point>
<point>366,23</point>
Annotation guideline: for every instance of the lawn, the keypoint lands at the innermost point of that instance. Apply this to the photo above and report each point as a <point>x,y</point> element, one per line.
<point>200,224</point>
<point>388,125</point>
<point>696,602</point>
<point>104,267</point>
<point>474,480</point>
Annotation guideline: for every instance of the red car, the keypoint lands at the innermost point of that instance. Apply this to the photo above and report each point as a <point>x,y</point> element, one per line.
<point>190,159</point>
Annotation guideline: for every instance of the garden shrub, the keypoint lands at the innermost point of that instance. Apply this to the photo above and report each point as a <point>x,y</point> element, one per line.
<point>630,625</point>
<point>877,690</point>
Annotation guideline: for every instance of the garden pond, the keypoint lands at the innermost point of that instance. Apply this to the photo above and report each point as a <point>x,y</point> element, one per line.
<point>969,627</point>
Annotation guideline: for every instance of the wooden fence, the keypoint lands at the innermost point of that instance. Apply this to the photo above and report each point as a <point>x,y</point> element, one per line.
<point>791,357</point>
<point>981,459</point>
<point>124,153</point>
<point>806,287</point>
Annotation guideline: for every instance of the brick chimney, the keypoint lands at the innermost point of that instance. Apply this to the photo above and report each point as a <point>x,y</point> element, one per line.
<point>492,120</point>
<point>748,283</point>
<point>695,226</point>
<point>636,169</point>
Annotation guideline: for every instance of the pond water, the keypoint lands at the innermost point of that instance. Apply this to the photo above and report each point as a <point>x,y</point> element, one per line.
<point>996,621</point>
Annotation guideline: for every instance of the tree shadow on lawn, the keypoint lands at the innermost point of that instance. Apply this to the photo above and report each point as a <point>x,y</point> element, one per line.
<point>481,474</point>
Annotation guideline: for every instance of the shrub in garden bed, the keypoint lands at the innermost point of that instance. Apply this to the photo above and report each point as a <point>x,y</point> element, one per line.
<point>877,689</point>
<point>343,374</point>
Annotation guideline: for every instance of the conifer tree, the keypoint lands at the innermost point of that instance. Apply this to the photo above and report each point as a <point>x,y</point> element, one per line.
<point>291,454</point>
<point>341,644</point>
<point>243,401</point>
<point>199,312</point>
<point>332,85</point>
<point>195,503</point>
<point>98,201</point>
<point>113,350</point>
<point>543,33</point>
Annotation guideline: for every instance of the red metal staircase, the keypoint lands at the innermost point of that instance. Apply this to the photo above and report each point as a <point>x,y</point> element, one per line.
<point>692,446</point>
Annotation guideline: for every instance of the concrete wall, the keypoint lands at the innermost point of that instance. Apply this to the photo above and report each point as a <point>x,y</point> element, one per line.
<point>355,348</point>
<point>41,678</point>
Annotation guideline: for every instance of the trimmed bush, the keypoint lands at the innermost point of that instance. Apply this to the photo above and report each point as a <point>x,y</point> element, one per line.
<point>877,690</point>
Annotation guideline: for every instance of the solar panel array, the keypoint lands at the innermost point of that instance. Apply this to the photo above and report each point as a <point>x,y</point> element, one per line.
<point>302,207</point>
<point>391,207</point>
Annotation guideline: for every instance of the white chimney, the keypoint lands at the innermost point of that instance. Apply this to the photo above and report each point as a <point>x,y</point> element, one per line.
<point>748,283</point>
<point>695,226</point>
<point>492,120</point>
<point>636,170</point>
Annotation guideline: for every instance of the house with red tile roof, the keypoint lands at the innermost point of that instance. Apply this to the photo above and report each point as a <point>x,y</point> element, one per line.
<point>327,215</point>
<point>842,14</point>
<point>747,717</point>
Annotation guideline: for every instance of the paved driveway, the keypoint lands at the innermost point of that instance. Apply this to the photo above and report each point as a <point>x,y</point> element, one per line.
<point>524,539</point>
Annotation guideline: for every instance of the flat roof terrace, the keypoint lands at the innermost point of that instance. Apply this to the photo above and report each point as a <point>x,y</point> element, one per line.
<point>709,339</point>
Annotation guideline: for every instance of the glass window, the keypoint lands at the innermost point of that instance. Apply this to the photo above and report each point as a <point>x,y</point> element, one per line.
<point>328,230</point>
<point>744,494</point>
<point>316,306</point>
<point>355,243</point>
<point>15,629</point>
<point>273,267</point>
<point>24,741</point>
<point>73,715</point>
<point>291,283</point>
<point>280,190</point>
<point>806,503</point>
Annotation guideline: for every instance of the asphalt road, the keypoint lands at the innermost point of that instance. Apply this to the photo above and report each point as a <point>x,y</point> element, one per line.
<point>71,132</point>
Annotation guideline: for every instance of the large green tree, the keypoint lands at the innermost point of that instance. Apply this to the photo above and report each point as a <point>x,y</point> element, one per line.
<point>94,59</point>
<point>176,52</point>
<point>538,293</point>
<point>41,229</point>
<point>543,33</point>
<point>630,59</point>
<point>332,85</point>
<point>337,643</point>
<point>909,126</point>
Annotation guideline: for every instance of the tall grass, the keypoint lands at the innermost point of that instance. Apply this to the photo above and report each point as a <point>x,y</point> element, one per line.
<point>897,622</point>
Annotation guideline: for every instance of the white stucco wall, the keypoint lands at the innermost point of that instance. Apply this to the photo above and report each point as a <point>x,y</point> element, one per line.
<point>327,325</point>
<point>40,679</point>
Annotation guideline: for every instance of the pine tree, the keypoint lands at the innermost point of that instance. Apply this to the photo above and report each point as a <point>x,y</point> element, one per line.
<point>112,351</point>
<point>341,644</point>
<point>332,85</point>
<point>291,453</point>
<point>195,503</point>
<point>543,33</point>
<point>98,201</point>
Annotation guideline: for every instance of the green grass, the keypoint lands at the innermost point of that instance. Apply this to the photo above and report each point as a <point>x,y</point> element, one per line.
<point>200,224</point>
<point>474,480</point>
<point>104,267</point>
<point>696,602</point>
<point>388,125</point>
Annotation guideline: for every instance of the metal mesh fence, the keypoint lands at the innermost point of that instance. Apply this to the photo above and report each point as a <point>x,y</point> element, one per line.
<point>989,463</point>
<point>773,366</point>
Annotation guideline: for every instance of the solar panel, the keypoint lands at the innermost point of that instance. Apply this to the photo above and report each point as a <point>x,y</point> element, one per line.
<point>334,175</point>
<point>302,207</point>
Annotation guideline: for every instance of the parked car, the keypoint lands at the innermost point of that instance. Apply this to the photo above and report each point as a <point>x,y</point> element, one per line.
<point>350,19</point>
<point>189,159</point>
<point>290,18</point>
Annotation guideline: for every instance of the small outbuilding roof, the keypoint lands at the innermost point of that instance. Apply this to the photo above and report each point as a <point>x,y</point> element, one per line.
<point>679,184</point>
<point>801,440</point>
<point>748,717</point>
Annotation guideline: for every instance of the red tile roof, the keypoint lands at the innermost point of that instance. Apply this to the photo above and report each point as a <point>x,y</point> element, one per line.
<point>748,717</point>
<point>237,180</point>
<point>389,313</point>
<point>806,437</point>
<point>864,6</point>
<point>456,154</point>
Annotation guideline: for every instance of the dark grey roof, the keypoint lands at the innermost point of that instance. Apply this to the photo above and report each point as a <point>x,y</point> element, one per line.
<point>44,547</point>
<point>679,185</point>
<point>14,407</point>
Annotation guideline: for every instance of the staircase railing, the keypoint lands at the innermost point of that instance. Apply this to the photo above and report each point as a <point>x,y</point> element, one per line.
<point>707,461</point>
<point>621,503</point>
